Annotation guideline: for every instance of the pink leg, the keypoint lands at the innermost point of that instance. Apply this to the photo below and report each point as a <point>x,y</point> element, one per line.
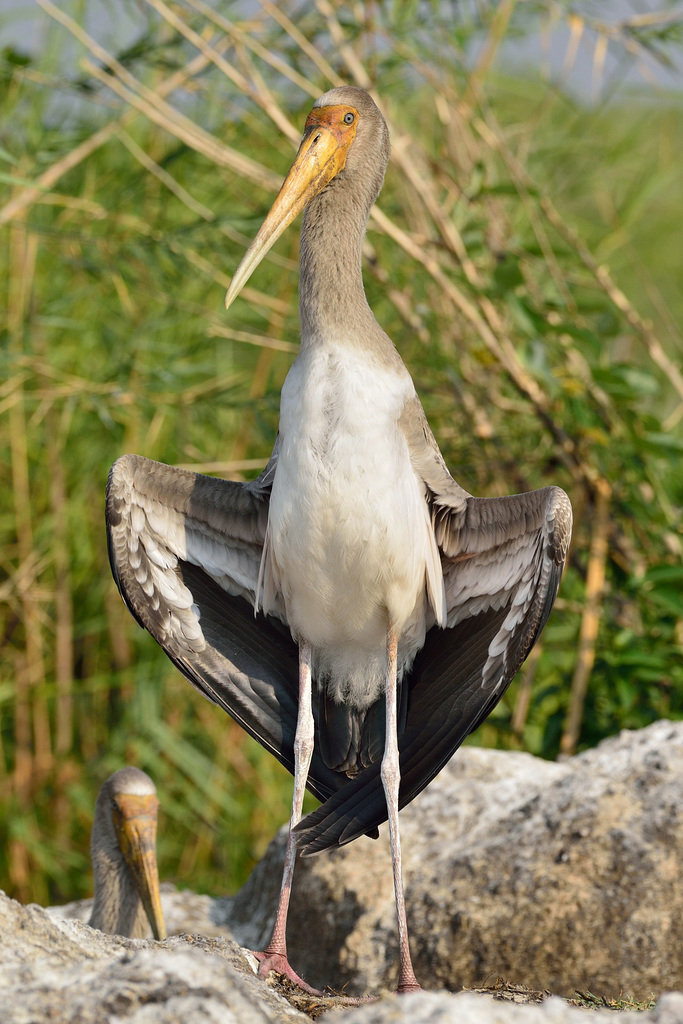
<point>391,777</point>
<point>275,956</point>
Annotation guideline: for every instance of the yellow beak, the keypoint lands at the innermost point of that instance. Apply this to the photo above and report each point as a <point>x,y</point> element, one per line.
<point>135,821</point>
<point>322,154</point>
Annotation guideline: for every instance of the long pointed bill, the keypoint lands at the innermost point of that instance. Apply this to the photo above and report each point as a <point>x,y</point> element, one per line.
<point>322,154</point>
<point>135,821</point>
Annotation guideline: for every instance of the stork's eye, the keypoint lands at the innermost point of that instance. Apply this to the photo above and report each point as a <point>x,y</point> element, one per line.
<point>114,805</point>
<point>349,118</point>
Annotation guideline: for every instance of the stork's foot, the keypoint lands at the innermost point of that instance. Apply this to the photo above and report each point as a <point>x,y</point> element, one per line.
<point>279,963</point>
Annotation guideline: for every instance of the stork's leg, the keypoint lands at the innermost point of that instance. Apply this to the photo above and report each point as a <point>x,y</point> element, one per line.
<point>275,956</point>
<point>391,777</point>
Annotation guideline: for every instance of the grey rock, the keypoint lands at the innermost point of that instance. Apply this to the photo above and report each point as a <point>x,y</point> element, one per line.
<point>556,876</point>
<point>62,971</point>
<point>470,1008</point>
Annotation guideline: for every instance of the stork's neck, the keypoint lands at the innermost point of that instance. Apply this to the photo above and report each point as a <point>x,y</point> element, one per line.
<point>117,907</point>
<point>332,298</point>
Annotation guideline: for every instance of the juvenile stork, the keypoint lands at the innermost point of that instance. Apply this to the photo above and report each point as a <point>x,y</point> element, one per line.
<point>124,857</point>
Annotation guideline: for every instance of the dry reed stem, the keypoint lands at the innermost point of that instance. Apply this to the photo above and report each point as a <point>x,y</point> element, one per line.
<point>201,44</point>
<point>155,108</point>
<point>466,119</point>
<point>487,322</point>
<point>20,202</point>
<point>590,618</point>
<point>70,383</point>
<point>257,388</point>
<point>342,47</point>
<point>494,38</point>
<point>231,469</point>
<point>51,176</point>
<point>620,32</point>
<point>523,700</point>
<point>64,619</point>
<point>247,40</point>
<point>248,293</point>
<point>405,154</point>
<point>492,134</point>
<point>250,338</point>
<point>299,39</point>
<point>258,93</point>
<point>32,739</point>
<point>503,351</point>
<point>165,117</point>
<point>164,177</point>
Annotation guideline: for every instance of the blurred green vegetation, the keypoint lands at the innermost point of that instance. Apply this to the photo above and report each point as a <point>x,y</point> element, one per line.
<point>124,210</point>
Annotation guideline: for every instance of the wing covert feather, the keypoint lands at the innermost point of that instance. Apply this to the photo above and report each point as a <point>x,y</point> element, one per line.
<point>157,515</point>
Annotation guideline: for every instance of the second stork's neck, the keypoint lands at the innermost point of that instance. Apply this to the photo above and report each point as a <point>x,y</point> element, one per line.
<point>332,302</point>
<point>117,907</point>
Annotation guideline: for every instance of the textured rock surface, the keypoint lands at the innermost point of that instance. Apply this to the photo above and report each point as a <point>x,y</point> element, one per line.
<point>555,876</point>
<point>58,970</point>
<point>467,1008</point>
<point>62,972</point>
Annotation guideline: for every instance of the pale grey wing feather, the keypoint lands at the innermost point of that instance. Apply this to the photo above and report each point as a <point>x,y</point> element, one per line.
<point>507,553</point>
<point>158,515</point>
<point>427,460</point>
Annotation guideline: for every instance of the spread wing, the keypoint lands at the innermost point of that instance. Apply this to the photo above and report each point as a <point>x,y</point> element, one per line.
<point>502,560</point>
<point>185,551</point>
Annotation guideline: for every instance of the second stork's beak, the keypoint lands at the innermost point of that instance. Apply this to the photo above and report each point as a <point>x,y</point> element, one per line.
<point>327,138</point>
<point>135,821</point>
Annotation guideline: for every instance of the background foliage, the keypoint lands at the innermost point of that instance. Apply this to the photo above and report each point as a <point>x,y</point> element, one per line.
<point>525,258</point>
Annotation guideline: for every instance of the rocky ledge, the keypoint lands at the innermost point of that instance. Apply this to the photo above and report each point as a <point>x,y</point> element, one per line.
<point>555,877</point>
